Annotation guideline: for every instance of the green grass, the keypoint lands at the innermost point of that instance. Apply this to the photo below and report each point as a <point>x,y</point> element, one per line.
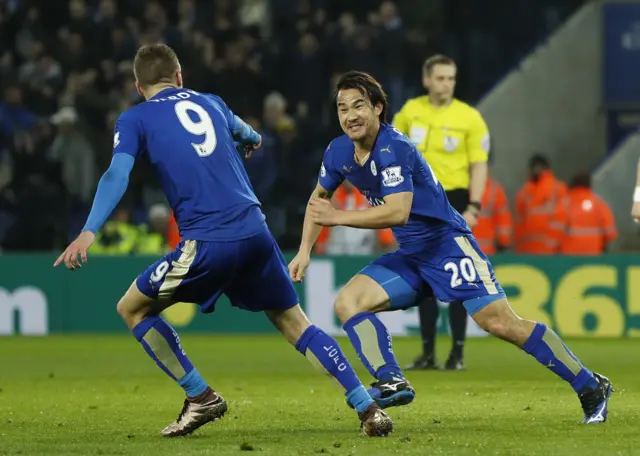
<point>101,395</point>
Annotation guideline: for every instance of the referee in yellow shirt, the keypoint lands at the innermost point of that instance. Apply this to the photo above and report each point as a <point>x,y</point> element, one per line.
<point>454,139</point>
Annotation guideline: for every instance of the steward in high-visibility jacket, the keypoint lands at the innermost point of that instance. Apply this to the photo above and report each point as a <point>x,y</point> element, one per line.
<point>117,236</point>
<point>494,230</point>
<point>591,226</point>
<point>541,211</point>
<point>151,242</point>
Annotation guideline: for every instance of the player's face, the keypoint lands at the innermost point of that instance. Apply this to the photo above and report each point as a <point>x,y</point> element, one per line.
<point>441,82</point>
<point>358,117</point>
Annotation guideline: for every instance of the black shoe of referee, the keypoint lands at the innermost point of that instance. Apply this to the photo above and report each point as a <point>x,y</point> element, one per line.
<point>424,363</point>
<point>454,363</point>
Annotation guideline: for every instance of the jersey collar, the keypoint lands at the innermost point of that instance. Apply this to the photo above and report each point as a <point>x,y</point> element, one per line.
<point>163,93</point>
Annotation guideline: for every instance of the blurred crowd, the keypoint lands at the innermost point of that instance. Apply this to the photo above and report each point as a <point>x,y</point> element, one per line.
<point>65,76</point>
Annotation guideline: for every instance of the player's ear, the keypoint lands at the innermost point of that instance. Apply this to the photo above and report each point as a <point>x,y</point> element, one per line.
<point>179,78</point>
<point>139,89</point>
<point>425,81</point>
<point>378,109</point>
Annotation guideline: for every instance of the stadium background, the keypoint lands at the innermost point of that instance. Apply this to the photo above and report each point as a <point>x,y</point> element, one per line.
<point>553,77</point>
<point>558,77</point>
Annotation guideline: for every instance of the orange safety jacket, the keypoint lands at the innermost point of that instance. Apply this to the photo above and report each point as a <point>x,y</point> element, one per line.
<point>591,225</point>
<point>173,233</point>
<point>495,225</point>
<point>541,215</point>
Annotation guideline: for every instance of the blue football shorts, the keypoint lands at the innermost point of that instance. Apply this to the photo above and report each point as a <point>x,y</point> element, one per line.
<point>251,272</point>
<point>453,269</point>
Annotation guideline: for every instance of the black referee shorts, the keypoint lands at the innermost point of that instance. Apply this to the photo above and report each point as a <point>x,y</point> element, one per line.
<point>459,199</point>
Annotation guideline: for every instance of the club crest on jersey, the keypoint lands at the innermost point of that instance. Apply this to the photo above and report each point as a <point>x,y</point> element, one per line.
<point>323,171</point>
<point>392,177</point>
<point>374,171</point>
<point>116,139</point>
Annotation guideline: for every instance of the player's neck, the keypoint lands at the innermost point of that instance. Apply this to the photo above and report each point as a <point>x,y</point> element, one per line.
<point>364,146</point>
<point>439,103</point>
<point>156,89</point>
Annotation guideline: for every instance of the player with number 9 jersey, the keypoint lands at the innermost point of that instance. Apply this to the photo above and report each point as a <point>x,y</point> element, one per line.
<point>205,182</point>
<point>190,139</point>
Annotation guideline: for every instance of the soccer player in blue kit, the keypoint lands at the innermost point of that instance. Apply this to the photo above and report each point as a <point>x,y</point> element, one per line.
<point>437,253</point>
<point>227,248</point>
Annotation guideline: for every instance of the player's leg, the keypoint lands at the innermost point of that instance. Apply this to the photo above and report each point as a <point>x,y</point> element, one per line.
<point>492,313</point>
<point>264,285</point>
<point>428,312</point>
<point>386,284</point>
<point>541,342</point>
<point>458,325</point>
<point>324,353</point>
<point>459,199</point>
<point>140,308</point>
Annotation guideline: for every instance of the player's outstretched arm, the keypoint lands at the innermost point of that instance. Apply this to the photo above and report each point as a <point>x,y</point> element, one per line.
<point>110,190</point>
<point>635,210</point>
<point>310,233</point>
<point>245,135</point>
<point>395,211</point>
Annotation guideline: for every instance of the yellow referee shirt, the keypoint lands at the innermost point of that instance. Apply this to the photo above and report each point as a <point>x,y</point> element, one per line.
<point>449,137</point>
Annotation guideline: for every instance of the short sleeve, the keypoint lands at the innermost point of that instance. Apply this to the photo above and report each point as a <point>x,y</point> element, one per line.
<point>127,136</point>
<point>401,120</point>
<point>396,168</point>
<point>478,141</point>
<point>329,177</point>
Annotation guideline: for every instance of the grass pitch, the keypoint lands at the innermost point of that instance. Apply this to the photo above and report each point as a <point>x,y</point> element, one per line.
<point>101,395</point>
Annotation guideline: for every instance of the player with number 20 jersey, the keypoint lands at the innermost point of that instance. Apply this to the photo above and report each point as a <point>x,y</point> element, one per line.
<point>437,253</point>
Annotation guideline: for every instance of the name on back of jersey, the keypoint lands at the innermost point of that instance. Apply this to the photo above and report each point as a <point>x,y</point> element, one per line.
<point>178,96</point>
<point>392,176</point>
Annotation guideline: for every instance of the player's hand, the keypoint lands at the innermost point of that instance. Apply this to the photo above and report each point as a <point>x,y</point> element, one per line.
<point>248,150</point>
<point>298,266</point>
<point>77,247</point>
<point>322,211</point>
<point>635,212</point>
<point>471,217</point>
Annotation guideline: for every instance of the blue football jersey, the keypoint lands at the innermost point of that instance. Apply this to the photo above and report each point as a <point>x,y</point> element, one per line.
<point>395,166</point>
<point>187,137</point>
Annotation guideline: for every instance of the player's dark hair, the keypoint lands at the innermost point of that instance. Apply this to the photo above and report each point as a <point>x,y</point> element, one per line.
<point>438,59</point>
<point>367,85</point>
<point>155,64</point>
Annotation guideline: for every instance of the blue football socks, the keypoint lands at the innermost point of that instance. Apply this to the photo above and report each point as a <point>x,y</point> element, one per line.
<point>325,354</point>
<point>372,343</point>
<point>545,346</point>
<point>162,344</point>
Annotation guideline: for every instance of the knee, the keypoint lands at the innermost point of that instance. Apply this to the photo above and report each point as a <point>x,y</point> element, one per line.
<point>127,312</point>
<point>348,304</point>
<point>501,327</point>
<point>292,323</point>
<point>133,310</point>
